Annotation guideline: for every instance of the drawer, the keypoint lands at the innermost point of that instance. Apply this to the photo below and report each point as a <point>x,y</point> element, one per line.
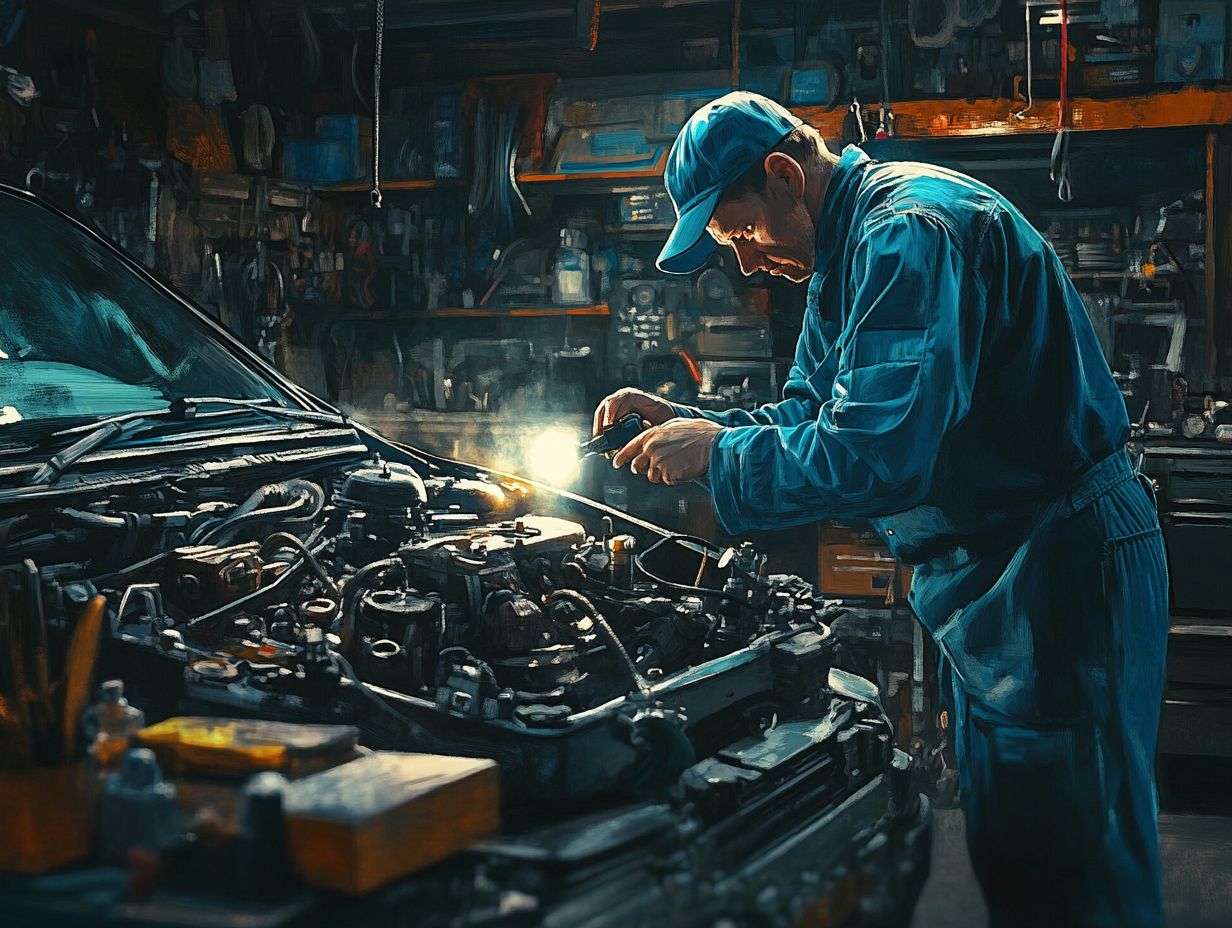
<point>1187,727</point>
<point>1200,655</point>
<point>1198,544</point>
<point>855,562</point>
<point>1200,487</point>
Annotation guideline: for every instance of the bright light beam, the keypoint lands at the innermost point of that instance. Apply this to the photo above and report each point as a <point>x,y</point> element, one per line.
<point>553,456</point>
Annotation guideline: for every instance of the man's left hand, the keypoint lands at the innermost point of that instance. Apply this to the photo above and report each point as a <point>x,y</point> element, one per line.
<point>671,453</point>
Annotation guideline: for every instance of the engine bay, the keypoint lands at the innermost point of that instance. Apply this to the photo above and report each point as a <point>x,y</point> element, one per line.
<point>456,613</point>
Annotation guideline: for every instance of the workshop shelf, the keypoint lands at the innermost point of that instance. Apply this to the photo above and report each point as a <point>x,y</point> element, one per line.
<point>418,183</point>
<point>497,312</point>
<point>973,118</point>
<point>596,178</point>
<point>474,312</point>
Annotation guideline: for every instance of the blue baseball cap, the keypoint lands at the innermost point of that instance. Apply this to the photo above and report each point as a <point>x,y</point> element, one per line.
<point>720,142</point>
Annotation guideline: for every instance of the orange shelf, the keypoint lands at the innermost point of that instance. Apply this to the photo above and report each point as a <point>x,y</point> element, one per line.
<point>932,119</point>
<point>477,312</point>
<point>363,186</point>
<point>540,177</point>
<point>490,312</point>
<point>963,118</point>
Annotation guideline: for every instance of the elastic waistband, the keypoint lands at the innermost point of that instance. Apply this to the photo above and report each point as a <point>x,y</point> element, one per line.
<point>1102,477</point>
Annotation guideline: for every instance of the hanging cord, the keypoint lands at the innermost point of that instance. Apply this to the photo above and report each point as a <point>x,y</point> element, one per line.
<point>1059,172</point>
<point>379,37</point>
<point>1062,109</point>
<point>594,26</point>
<point>885,126</point>
<point>258,136</point>
<point>885,55</point>
<point>310,49</point>
<point>735,44</point>
<point>946,28</point>
<point>1021,114</point>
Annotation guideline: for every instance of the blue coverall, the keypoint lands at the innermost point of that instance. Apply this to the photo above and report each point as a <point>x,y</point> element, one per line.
<point>948,385</point>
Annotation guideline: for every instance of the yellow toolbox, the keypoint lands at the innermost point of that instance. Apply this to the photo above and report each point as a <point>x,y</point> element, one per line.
<point>200,745</point>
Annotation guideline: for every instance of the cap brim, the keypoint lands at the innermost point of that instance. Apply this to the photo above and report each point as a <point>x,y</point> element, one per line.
<point>689,244</point>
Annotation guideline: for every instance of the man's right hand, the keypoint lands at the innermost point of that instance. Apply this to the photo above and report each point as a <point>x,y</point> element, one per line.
<point>653,409</point>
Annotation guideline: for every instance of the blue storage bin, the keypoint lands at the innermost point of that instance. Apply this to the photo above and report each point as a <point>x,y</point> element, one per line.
<point>319,161</point>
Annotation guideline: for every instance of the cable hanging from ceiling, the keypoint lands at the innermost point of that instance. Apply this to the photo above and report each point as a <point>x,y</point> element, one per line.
<point>378,39</point>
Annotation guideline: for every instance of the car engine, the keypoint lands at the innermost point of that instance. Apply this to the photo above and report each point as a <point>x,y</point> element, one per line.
<point>667,716</point>
<point>451,613</point>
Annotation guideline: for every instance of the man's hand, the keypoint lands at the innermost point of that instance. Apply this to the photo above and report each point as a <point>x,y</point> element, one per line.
<point>651,408</point>
<point>677,451</point>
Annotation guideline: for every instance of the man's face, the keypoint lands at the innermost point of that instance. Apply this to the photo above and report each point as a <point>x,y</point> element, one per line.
<point>769,231</point>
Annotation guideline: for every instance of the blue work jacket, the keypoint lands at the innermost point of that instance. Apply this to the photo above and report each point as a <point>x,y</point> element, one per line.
<point>947,383</point>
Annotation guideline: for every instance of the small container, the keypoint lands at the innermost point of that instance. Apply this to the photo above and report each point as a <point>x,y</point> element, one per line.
<point>571,280</point>
<point>111,723</point>
<point>46,816</point>
<point>137,809</point>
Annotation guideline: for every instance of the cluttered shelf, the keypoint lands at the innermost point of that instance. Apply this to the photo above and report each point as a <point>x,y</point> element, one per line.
<point>966,118</point>
<point>914,119</point>
<point>942,118</point>
<point>350,314</point>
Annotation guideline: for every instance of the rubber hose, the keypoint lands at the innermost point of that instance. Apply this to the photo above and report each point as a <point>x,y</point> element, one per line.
<point>287,499</point>
<point>593,613</point>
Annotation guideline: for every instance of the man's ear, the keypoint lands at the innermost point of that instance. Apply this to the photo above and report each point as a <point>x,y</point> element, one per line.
<point>783,168</point>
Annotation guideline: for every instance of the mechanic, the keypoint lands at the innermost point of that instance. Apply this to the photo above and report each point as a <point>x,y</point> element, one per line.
<point>948,385</point>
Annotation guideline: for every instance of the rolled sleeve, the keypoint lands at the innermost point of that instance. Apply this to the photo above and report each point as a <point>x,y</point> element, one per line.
<point>904,378</point>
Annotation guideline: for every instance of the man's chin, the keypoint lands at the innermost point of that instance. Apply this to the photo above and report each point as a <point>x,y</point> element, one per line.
<point>797,275</point>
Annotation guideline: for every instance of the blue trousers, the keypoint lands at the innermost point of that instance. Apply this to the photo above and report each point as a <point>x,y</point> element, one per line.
<point>1056,677</point>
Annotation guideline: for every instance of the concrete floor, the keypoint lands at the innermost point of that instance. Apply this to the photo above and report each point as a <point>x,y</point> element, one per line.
<point>1197,872</point>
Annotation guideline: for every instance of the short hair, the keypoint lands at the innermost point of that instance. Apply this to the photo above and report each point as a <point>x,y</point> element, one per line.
<point>800,144</point>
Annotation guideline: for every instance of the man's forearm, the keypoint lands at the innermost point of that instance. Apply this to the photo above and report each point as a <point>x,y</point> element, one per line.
<point>786,412</point>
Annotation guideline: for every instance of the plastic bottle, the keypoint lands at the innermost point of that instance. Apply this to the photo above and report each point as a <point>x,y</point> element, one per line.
<point>571,282</point>
<point>137,809</point>
<point>111,722</point>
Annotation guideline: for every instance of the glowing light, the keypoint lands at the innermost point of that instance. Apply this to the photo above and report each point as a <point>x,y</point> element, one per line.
<point>553,456</point>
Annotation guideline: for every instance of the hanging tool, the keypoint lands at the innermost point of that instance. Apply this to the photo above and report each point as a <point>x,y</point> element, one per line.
<point>361,263</point>
<point>151,224</point>
<point>853,124</point>
<point>79,671</point>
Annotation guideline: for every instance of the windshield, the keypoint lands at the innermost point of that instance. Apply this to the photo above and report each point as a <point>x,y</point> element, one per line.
<point>84,335</point>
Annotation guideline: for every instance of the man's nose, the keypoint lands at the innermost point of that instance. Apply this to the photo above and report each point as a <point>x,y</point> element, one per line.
<point>747,258</point>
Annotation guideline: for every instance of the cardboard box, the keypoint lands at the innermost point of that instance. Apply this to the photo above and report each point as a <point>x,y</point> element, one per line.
<point>46,817</point>
<point>360,826</point>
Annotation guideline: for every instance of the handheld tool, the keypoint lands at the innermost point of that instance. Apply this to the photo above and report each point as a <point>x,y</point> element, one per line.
<point>79,671</point>
<point>614,437</point>
<point>619,434</point>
